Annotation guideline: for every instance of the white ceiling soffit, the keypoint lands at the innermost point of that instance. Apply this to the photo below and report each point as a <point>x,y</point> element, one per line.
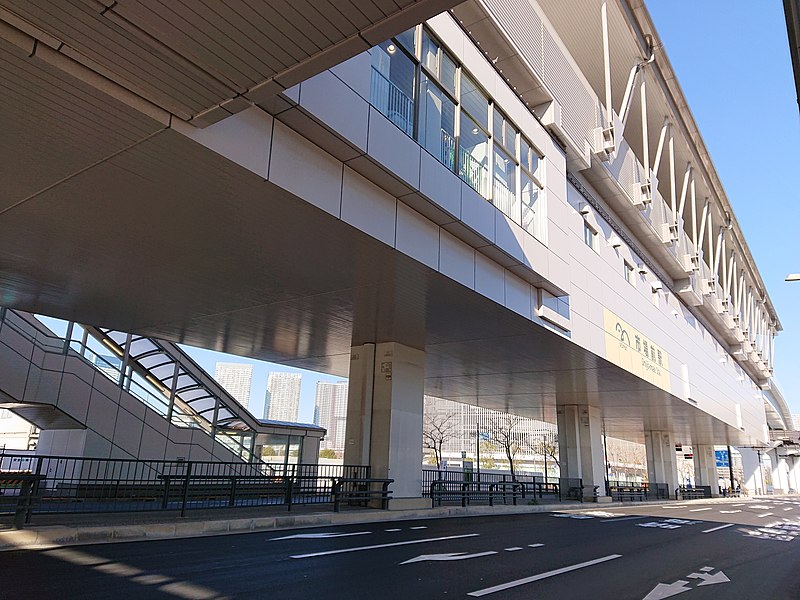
<point>206,59</point>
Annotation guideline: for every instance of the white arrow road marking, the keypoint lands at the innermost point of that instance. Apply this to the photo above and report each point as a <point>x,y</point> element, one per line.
<point>540,576</point>
<point>708,578</point>
<point>318,536</point>
<point>729,512</point>
<point>718,528</point>
<point>375,547</point>
<point>448,556</point>
<point>665,590</point>
<point>618,519</point>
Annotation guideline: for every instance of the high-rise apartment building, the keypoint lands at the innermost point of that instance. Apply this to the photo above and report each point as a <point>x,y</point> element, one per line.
<point>283,397</point>
<point>330,412</point>
<point>236,378</point>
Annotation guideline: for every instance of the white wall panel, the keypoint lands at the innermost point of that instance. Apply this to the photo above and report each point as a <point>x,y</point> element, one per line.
<point>366,206</point>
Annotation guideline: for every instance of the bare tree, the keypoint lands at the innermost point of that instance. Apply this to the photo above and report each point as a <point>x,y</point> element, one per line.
<point>437,429</point>
<point>503,432</point>
<point>545,444</point>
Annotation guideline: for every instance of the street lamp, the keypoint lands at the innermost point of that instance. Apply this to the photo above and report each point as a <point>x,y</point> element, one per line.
<point>793,277</point>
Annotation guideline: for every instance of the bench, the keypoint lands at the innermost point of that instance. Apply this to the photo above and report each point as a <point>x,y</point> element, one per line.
<point>622,493</point>
<point>692,493</point>
<point>467,491</point>
<point>28,484</point>
<point>360,490</point>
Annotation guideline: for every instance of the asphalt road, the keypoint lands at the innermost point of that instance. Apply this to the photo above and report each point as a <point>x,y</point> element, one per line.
<point>743,550</point>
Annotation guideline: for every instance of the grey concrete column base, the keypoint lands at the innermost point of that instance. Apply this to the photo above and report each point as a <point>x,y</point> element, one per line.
<point>409,503</point>
<point>603,499</point>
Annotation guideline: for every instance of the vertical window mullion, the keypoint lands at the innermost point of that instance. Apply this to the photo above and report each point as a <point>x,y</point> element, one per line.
<point>490,152</point>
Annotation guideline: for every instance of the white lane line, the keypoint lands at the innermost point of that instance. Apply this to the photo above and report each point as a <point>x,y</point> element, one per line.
<point>393,529</point>
<point>718,528</point>
<point>513,549</point>
<point>699,509</point>
<point>375,547</point>
<point>729,512</point>
<point>319,536</point>
<point>738,504</point>
<point>676,506</point>
<point>765,515</point>
<point>540,576</point>
<point>789,508</point>
<point>618,519</point>
<point>419,527</point>
<point>535,545</point>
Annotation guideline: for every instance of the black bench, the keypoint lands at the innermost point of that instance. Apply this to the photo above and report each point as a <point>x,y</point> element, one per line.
<point>467,491</point>
<point>27,483</point>
<point>360,490</point>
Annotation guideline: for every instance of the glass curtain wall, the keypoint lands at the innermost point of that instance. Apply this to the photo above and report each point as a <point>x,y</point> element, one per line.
<point>421,88</point>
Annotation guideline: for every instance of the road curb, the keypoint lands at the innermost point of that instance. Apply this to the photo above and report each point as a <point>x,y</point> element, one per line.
<point>49,536</point>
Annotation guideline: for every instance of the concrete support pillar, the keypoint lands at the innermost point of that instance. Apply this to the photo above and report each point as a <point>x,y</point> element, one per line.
<point>780,480</point>
<point>705,468</point>
<point>580,448</point>
<point>751,468</point>
<point>794,473</point>
<point>662,464</point>
<point>384,417</point>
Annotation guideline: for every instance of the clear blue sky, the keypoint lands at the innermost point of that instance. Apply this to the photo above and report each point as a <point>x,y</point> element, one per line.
<point>308,384</point>
<point>732,61</point>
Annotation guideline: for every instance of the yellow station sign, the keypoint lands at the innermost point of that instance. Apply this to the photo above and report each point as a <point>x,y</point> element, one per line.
<point>626,347</point>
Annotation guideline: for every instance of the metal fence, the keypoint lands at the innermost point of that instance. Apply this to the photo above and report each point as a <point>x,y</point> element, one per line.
<point>535,486</point>
<point>58,484</point>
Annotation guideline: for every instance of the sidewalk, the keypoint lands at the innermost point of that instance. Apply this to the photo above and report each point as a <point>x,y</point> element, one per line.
<point>53,530</point>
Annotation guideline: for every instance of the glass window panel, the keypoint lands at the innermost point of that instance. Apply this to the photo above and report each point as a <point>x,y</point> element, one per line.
<point>531,207</point>
<point>430,53</point>
<point>524,153</point>
<point>449,70</point>
<point>274,448</point>
<point>474,101</point>
<point>295,448</point>
<point>409,40</point>
<point>497,126</point>
<point>474,155</point>
<point>437,123</point>
<point>392,90</point>
<point>504,189</point>
<point>510,138</point>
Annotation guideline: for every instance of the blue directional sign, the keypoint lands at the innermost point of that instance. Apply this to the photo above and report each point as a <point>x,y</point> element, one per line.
<point>722,458</point>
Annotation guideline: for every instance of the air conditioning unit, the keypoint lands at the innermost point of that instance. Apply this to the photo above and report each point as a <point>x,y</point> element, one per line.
<point>643,195</point>
<point>642,269</point>
<point>708,286</point>
<point>668,232</point>
<point>604,144</point>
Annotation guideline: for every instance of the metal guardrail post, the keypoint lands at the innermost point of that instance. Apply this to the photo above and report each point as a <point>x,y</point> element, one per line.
<point>165,499</point>
<point>35,493</point>
<point>186,487</point>
<point>289,491</point>
<point>232,497</point>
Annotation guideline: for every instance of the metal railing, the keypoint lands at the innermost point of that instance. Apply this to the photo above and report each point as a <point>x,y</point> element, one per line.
<point>535,486</point>
<point>392,102</point>
<point>505,200</point>
<point>93,485</point>
<point>473,172</point>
